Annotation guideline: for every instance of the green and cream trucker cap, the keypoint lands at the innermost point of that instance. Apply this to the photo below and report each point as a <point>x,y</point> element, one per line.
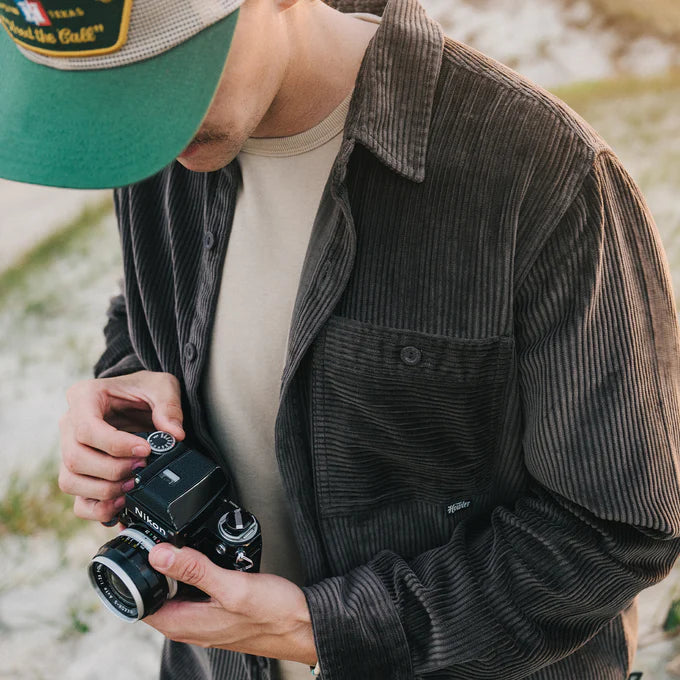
<point>104,93</point>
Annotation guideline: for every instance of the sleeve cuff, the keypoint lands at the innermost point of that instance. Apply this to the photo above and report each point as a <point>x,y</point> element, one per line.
<point>357,631</point>
<point>128,364</point>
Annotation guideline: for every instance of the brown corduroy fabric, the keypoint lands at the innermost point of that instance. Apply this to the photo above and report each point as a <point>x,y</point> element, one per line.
<point>479,421</point>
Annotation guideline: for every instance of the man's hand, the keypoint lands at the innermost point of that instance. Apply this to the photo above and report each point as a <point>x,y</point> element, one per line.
<point>259,614</point>
<point>98,458</point>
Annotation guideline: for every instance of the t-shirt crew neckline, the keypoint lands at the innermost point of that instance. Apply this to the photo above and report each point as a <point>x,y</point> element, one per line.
<point>303,142</point>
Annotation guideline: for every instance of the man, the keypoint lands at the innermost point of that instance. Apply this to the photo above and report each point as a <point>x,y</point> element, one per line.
<point>472,462</point>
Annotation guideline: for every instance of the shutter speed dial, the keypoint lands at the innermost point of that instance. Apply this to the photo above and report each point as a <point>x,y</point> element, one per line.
<point>161,442</point>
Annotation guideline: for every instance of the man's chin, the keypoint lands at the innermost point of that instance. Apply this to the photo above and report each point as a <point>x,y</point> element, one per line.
<point>199,166</point>
<point>201,158</point>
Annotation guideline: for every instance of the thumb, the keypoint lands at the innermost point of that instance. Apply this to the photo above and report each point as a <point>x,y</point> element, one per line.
<point>167,416</point>
<point>174,427</point>
<point>166,403</point>
<point>186,565</point>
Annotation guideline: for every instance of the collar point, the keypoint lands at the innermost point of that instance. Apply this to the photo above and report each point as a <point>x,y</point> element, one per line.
<point>414,173</point>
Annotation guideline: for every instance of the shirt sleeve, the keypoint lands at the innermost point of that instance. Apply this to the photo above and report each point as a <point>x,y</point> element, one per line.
<point>597,354</point>
<point>119,356</point>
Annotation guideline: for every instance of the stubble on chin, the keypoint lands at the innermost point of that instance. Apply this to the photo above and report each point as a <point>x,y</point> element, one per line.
<point>211,150</point>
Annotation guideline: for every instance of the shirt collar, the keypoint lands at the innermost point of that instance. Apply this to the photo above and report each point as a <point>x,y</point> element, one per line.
<point>391,109</point>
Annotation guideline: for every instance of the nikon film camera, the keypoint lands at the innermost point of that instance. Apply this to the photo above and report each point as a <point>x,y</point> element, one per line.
<point>180,497</point>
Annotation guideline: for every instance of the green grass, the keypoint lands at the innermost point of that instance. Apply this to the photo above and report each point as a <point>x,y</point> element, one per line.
<point>37,504</point>
<point>580,95</point>
<point>77,622</point>
<point>62,241</point>
<point>634,18</point>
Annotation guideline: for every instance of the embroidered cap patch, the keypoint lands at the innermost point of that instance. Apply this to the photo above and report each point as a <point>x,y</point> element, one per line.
<point>63,28</point>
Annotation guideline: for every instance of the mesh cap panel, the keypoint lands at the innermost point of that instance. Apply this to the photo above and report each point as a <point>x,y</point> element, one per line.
<point>156,26</point>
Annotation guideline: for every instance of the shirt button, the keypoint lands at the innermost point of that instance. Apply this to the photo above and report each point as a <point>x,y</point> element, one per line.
<point>190,351</point>
<point>411,356</point>
<point>208,240</point>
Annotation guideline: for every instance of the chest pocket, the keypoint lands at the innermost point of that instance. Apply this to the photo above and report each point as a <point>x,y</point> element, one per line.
<point>402,416</point>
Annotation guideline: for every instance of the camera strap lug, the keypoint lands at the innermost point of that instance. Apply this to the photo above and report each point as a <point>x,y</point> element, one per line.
<point>243,562</point>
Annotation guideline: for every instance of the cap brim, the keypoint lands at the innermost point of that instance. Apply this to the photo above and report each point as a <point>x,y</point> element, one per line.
<point>110,127</point>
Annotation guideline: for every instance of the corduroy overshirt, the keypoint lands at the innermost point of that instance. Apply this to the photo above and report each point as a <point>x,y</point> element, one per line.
<point>479,417</point>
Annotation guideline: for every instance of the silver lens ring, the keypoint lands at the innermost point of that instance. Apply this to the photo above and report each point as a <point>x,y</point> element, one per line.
<point>144,542</point>
<point>122,575</point>
<point>148,543</point>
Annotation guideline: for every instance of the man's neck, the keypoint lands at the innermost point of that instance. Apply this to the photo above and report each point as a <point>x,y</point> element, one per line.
<point>327,50</point>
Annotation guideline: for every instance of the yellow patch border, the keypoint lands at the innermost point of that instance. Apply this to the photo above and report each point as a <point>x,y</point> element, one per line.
<point>122,39</point>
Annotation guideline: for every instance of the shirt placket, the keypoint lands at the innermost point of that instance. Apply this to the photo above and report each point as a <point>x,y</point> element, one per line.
<point>325,274</point>
<point>216,229</point>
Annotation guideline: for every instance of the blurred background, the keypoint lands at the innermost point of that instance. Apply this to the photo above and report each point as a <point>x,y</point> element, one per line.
<point>616,62</point>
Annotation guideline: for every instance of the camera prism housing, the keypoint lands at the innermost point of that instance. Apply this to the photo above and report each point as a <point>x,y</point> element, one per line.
<point>180,497</point>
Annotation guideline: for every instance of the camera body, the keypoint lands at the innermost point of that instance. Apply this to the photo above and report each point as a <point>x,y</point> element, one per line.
<point>180,497</point>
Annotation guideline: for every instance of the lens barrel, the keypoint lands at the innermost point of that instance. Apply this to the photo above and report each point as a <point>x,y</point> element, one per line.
<point>123,578</point>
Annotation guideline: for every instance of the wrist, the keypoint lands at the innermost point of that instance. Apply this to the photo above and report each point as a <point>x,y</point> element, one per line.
<point>301,636</point>
<point>306,646</point>
<point>307,636</point>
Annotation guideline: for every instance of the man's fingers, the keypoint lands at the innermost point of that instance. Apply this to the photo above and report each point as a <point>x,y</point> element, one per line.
<point>162,392</point>
<point>99,459</point>
<point>83,460</point>
<point>97,434</point>
<point>91,487</point>
<point>96,510</point>
<point>97,401</point>
<point>189,622</point>
<point>189,566</point>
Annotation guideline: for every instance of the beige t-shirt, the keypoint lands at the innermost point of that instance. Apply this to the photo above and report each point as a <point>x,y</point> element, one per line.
<point>283,179</point>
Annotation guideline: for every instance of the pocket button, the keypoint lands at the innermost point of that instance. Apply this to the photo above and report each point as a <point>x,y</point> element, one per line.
<point>411,356</point>
<point>190,351</point>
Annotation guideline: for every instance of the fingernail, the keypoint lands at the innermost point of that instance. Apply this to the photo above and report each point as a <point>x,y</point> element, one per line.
<point>163,556</point>
<point>119,502</point>
<point>138,465</point>
<point>140,451</point>
<point>129,485</point>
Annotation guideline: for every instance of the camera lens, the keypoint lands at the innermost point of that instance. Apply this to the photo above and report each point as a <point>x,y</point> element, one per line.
<point>123,579</point>
<point>119,589</point>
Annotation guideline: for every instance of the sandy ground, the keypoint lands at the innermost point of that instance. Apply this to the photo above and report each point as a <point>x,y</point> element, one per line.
<point>52,626</point>
<point>50,337</point>
<point>31,212</point>
<point>551,42</point>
